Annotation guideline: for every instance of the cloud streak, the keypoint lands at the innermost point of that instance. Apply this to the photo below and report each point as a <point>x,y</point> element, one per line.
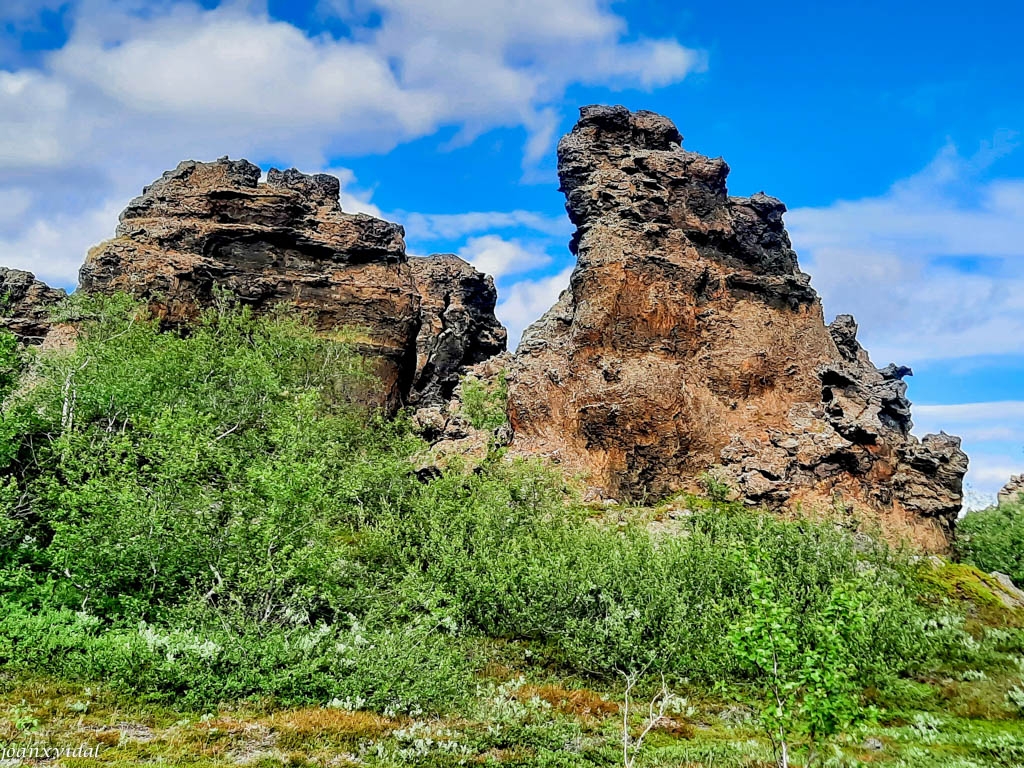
<point>932,268</point>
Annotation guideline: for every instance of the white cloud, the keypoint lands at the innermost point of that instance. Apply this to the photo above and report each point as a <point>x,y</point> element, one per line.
<point>53,249</point>
<point>525,301</point>
<point>892,261</point>
<point>988,473</point>
<point>32,110</point>
<point>140,86</point>
<point>498,257</point>
<point>961,413</point>
<point>449,226</point>
<point>14,202</point>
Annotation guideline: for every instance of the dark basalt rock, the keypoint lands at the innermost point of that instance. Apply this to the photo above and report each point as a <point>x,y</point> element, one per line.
<point>25,305</point>
<point>457,325</point>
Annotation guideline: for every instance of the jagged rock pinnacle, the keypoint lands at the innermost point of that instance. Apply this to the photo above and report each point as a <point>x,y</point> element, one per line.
<point>690,340</point>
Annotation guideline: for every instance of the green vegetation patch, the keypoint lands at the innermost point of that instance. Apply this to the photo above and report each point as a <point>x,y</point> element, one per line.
<point>214,524</point>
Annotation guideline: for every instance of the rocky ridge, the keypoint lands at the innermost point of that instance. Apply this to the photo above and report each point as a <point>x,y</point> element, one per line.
<point>25,305</point>
<point>688,340</point>
<point>1012,491</point>
<point>209,227</point>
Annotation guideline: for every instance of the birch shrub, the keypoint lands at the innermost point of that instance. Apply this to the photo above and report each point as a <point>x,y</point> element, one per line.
<point>213,514</point>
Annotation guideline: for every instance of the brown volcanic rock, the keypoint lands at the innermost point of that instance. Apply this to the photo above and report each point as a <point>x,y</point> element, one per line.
<point>205,227</point>
<point>1012,491</point>
<point>25,305</point>
<point>689,339</point>
<point>458,327</point>
<point>213,225</point>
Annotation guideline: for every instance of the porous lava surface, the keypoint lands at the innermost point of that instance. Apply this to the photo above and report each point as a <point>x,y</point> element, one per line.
<point>689,340</point>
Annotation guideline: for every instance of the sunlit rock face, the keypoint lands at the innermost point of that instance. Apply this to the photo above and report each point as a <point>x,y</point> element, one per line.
<point>209,227</point>
<point>690,340</point>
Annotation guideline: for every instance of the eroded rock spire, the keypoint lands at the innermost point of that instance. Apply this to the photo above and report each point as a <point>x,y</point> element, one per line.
<point>689,340</point>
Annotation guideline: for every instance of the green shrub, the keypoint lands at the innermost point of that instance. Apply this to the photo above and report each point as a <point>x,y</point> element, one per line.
<point>807,684</point>
<point>392,668</point>
<point>485,404</point>
<point>178,511</point>
<point>993,539</point>
<point>223,465</point>
<point>215,514</point>
<point>499,552</point>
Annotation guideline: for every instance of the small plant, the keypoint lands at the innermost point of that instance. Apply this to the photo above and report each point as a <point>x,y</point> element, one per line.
<point>809,684</point>
<point>717,489</point>
<point>663,701</point>
<point>23,719</point>
<point>485,404</point>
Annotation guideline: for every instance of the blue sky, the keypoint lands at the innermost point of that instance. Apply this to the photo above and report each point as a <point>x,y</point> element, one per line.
<point>892,130</point>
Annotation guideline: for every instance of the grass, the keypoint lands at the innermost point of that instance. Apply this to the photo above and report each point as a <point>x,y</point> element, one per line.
<point>533,723</point>
<point>969,585</point>
<point>530,712</point>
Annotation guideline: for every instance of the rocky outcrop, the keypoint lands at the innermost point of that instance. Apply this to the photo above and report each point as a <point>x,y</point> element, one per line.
<point>453,430</point>
<point>689,339</point>
<point>1006,591</point>
<point>1012,491</point>
<point>457,325</point>
<point>209,227</point>
<point>25,305</point>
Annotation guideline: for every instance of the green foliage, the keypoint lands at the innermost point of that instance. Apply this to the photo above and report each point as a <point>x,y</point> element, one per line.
<point>390,668</point>
<point>209,486</point>
<point>500,552</point>
<point>217,514</point>
<point>717,490</point>
<point>12,362</point>
<point>808,677</point>
<point>993,539</point>
<point>217,466</point>
<point>485,404</point>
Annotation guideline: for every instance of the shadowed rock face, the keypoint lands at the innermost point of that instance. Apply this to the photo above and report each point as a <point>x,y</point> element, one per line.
<point>205,227</point>
<point>689,339</point>
<point>458,327</point>
<point>25,305</point>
